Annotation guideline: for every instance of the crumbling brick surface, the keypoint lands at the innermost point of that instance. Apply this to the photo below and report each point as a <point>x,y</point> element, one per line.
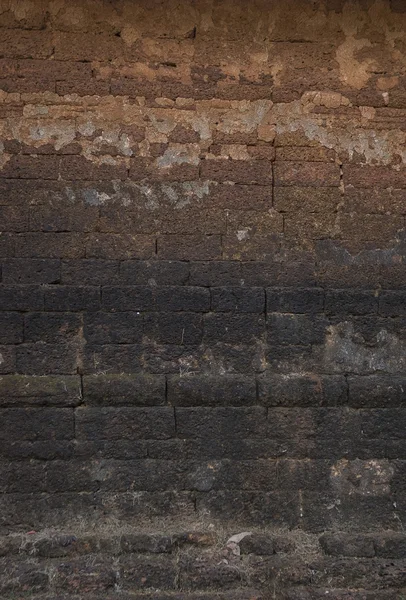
<point>202,300</point>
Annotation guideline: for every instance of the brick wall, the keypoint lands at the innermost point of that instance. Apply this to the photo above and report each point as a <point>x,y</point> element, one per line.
<point>202,326</point>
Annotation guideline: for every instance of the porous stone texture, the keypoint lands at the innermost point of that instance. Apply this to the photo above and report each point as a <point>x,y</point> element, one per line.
<point>203,300</point>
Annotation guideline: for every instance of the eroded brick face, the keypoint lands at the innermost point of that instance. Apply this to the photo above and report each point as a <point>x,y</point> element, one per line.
<point>202,296</point>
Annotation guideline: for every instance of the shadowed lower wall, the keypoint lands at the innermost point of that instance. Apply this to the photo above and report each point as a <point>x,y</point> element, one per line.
<point>203,305</point>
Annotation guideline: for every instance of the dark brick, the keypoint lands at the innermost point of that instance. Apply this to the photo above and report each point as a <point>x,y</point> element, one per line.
<point>296,329</point>
<point>220,422</point>
<point>85,576</point>
<point>50,245</point>
<point>89,272</point>
<point>31,271</point>
<point>235,197</point>
<point>72,298</point>
<point>56,217</point>
<point>238,299</point>
<point>14,218</point>
<point>154,272</point>
<point>257,172</point>
<point>18,577</point>
<point>37,424</point>
<point>138,390</point>
<point>51,328</point>
<point>392,304</point>
<point>308,300</point>
<point>189,247</point>
<point>79,168</point>
<point>346,544</point>
<point>390,545</point>
<point>31,167</point>
<point>113,358</point>
<point>144,543</point>
<point>209,390</point>
<point>129,298</point>
<point>50,391</point>
<point>205,574</point>
<point>367,176</point>
<point>317,200</point>
<point>233,328</point>
<point>195,299</point>
<point>107,328</point>
<point>138,573</point>
<point>215,273</point>
<point>125,423</point>
<point>377,391</point>
<point>43,359</point>
<point>121,246</point>
<point>11,328</point>
<point>8,359</point>
<point>259,273</point>
<point>174,328</point>
<point>349,302</point>
<point>302,390</point>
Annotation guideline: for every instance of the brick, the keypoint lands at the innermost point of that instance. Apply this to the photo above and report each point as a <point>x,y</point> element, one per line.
<point>154,272</point>
<point>237,299</point>
<point>8,359</point>
<point>125,423</point>
<point>51,328</point>
<point>189,247</point>
<point>17,577</point>
<point>302,153</point>
<point>71,298</point>
<point>250,172</point>
<point>220,422</point>
<point>298,300</point>
<point>174,328</point>
<point>29,271</point>
<point>89,87</point>
<point>309,174</point>
<point>30,167</point>
<point>204,574</point>
<point>195,299</point>
<point>377,391</point>
<point>21,43</point>
<point>43,358</point>
<point>21,297</point>
<point>85,576</point>
<point>113,358</point>
<point>89,272</point>
<point>87,47</point>
<point>296,329</point>
<point>11,328</point>
<point>14,218</point>
<point>37,424</point>
<point>128,298</point>
<point>233,328</point>
<point>20,390</point>
<point>302,390</point>
<point>53,69</point>
<point>369,227</point>
<point>311,225</point>
<point>235,196</point>
<point>293,199</point>
<point>350,302</point>
<point>57,218</point>
<point>7,245</point>
<point>365,176</point>
<point>145,543</point>
<point>119,246</point>
<point>78,168</point>
<point>374,201</point>
<point>120,328</point>
<point>390,545</point>
<point>218,273</point>
<point>344,544</point>
<point>139,390</point>
<point>138,573</point>
<point>210,390</point>
<point>392,304</point>
<point>142,168</point>
<point>50,245</point>
<point>259,273</point>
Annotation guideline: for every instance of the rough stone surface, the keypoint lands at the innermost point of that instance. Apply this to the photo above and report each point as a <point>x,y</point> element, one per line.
<point>202,300</point>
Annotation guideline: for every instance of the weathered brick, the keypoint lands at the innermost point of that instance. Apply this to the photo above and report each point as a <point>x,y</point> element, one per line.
<point>27,271</point>
<point>14,218</point>
<point>37,424</point>
<point>119,246</point>
<point>369,227</point>
<point>174,328</point>
<point>311,174</point>
<point>85,576</point>
<point>350,302</point>
<point>89,272</point>
<point>344,544</point>
<point>134,298</point>
<point>216,273</point>
<point>154,272</point>
<point>21,297</point>
<point>233,328</point>
<point>138,573</point>
<point>240,197</point>
<point>302,390</point>
<point>365,176</point>
<point>296,329</point>
<point>43,358</point>
<point>196,299</point>
<point>31,167</point>
<point>113,358</point>
<point>189,247</point>
<point>392,304</point>
<point>56,217</point>
<point>219,422</point>
<point>71,298</point>
<point>209,390</point>
<point>11,328</point>
<point>107,328</point>
<point>50,391</point>
<point>237,299</point>
<point>124,423</point>
<point>377,391</point>
<point>390,545</point>
<point>139,390</point>
<point>250,172</point>
<point>50,327</point>
<point>297,300</point>
<point>317,200</point>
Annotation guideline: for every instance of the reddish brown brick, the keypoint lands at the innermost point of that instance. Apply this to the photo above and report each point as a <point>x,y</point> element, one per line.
<point>31,167</point>
<point>365,176</point>
<point>250,172</point>
<point>310,174</point>
<point>120,246</point>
